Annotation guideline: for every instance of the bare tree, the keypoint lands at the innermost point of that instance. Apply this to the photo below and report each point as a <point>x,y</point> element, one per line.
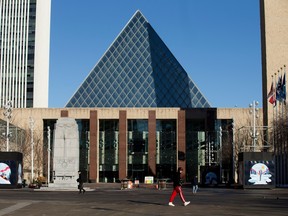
<point>280,133</point>
<point>37,142</point>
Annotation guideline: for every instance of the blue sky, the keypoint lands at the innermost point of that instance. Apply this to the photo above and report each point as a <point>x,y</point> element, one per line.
<point>217,43</point>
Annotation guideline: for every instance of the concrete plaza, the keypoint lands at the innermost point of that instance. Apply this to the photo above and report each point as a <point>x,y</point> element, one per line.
<point>108,199</point>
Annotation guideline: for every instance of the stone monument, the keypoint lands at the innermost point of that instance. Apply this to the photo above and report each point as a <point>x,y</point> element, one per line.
<point>65,153</point>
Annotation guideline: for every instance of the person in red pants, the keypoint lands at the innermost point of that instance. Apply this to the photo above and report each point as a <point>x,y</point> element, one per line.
<point>177,188</point>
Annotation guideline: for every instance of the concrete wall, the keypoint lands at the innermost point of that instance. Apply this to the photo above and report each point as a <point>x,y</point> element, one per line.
<point>242,116</point>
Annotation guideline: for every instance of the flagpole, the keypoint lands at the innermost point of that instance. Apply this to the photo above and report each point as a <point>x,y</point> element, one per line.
<point>281,96</point>
<point>276,113</point>
<point>281,134</point>
<point>284,119</point>
<point>276,150</point>
<point>273,117</point>
<point>273,110</point>
<point>285,92</point>
<point>284,83</point>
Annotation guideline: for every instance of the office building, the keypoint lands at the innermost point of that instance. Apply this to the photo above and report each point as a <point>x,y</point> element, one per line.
<point>24,47</point>
<point>274,44</point>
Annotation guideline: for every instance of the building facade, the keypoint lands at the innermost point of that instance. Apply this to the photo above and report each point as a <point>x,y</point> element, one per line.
<point>274,44</point>
<point>116,143</point>
<point>274,41</point>
<point>24,48</point>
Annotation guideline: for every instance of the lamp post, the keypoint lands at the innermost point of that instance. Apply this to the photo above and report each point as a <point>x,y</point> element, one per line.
<point>220,152</point>
<point>233,149</point>
<point>8,114</point>
<point>48,151</point>
<point>32,147</point>
<point>254,112</point>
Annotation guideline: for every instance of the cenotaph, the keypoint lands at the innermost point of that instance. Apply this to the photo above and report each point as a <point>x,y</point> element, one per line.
<point>65,153</point>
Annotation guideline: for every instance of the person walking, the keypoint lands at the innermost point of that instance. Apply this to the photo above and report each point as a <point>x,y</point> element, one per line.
<point>177,188</point>
<point>80,183</point>
<point>195,184</point>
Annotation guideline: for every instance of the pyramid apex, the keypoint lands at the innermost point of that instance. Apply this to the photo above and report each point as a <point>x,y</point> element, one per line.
<point>139,13</point>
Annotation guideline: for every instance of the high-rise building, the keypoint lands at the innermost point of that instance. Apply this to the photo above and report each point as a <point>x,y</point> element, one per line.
<point>138,70</point>
<point>274,41</point>
<point>24,52</point>
<point>274,45</point>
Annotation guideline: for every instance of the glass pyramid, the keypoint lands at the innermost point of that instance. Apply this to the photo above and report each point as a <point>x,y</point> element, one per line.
<point>138,70</point>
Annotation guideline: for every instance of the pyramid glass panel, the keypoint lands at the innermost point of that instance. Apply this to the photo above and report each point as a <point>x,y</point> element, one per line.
<point>138,70</point>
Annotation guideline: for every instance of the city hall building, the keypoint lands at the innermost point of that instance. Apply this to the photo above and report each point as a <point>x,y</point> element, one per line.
<point>139,71</point>
<point>118,143</point>
<point>139,114</point>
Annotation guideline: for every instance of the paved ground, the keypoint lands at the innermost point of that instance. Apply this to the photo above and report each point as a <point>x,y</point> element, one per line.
<point>110,200</point>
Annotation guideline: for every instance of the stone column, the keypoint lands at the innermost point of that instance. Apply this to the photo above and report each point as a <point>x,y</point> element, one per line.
<point>152,142</point>
<point>182,140</point>
<point>93,167</point>
<point>122,144</point>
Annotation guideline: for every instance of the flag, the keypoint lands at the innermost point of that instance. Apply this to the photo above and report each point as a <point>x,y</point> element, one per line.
<point>273,100</point>
<point>271,91</point>
<point>279,89</point>
<point>272,95</point>
<point>283,90</point>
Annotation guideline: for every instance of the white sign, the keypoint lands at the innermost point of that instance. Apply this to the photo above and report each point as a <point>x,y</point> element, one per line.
<point>149,180</point>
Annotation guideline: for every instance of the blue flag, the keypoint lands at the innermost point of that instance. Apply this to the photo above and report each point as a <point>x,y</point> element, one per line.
<point>283,90</point>
<point>279,89</point>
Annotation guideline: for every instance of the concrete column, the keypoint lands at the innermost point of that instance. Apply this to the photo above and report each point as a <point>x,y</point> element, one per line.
<point>122,144</point>
<point>152,142</point>
<point>182,140</point>
<point>93,168</point>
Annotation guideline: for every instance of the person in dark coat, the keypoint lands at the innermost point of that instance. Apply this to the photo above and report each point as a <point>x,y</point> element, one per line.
<point>195,184</point>
<point>80,183</point>
<point>177,188</point>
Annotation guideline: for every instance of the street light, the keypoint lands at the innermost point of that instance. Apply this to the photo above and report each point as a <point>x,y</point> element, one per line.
<point>32,147</point>
<point>8,113</point>
<point>49,152</point>
<point>233,149</point>
<point>254,112</point>
<point>220,152</point>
